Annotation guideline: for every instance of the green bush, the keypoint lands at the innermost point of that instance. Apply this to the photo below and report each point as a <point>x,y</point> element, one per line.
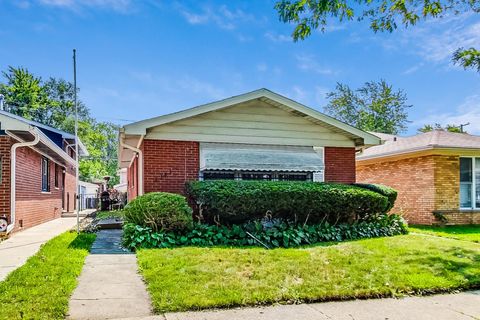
<point>276,233</point>
<point>386,191</point>
<point>235,202</point>
<point>160,211</point>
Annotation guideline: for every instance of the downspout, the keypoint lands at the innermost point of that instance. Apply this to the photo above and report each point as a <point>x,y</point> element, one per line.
<point>140,162</point>
<point>13,158</point>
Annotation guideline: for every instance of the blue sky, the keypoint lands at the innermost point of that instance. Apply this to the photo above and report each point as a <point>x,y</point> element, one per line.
<point>139,59</point>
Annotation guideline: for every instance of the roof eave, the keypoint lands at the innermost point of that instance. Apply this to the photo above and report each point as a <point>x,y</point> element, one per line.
<point>140,128</point>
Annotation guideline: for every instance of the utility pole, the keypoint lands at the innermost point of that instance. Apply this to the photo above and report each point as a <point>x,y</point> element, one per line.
<point>463,125</point>
<point>77,184</point>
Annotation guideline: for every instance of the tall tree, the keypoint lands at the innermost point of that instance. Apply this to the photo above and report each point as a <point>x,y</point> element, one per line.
<point>375,106</point>
<point>51,103</point>
<point>24,94</point>
<point>437,126</point>
<point>384,15</point>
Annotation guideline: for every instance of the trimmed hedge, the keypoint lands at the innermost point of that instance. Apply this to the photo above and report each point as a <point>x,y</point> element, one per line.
<point>386,191</point>
<point>160,211</point>
<point>235,202</point>
<point>273,234</point>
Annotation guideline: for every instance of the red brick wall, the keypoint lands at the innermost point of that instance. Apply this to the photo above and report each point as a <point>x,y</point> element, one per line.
<point>413,178</point>
<point>5,145</point>
<point>33,206</point>
<point>169,164</point>
<point>340,164</point>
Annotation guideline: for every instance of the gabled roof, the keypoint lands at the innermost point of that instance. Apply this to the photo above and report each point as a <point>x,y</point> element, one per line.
<point>14,121</point>
<point>436,139</point>
<point>140,127</point>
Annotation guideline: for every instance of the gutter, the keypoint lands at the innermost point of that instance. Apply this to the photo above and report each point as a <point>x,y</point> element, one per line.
<point>13,157</point>
<point>140,161</point>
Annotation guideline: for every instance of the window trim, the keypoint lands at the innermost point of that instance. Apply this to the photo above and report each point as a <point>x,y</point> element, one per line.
<point>474,184</point>
<point>45,175</point>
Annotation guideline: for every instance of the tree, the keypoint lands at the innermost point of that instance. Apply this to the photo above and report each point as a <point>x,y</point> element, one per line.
<point>384,15</point>
<point>437,126</point>
<point>376,106</point>
<point>52,103</point>
<point>24,94</point>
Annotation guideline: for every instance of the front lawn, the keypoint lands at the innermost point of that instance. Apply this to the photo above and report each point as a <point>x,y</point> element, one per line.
<point>100,215</point>
<point>41,288</point>
<point>465,232</point>
<point>192,278</point>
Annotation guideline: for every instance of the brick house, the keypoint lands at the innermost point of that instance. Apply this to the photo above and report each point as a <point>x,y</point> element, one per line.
<point>37,172</point>
<point>257,135</point>
<point>437,175</point>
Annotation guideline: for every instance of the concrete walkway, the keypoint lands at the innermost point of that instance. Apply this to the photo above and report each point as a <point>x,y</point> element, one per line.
<point>109,286</point>
<point>461,306</point>
<point>15,251</point>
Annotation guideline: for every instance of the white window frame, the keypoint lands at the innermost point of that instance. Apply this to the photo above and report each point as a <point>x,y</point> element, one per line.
<point>474,185</point>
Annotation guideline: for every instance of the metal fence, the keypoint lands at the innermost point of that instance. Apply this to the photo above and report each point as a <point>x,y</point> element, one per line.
<point>89,201</point>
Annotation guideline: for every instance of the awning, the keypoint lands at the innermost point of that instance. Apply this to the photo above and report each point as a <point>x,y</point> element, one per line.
<point>223,156</point>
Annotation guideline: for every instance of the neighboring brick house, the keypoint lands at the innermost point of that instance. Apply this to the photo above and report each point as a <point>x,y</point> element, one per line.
<point>257,135</point>
<point>42,186</point>
<point>437,175</point>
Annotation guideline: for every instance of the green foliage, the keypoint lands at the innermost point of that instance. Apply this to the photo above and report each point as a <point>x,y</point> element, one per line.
<point>467,58</point>
<point>376,106</point>
<point>384,15</point>
<point>159,211</point>
<point>233,202</point>
<point>273,233</point>
<point>51,102</point>
<point>469,232</point>
<point>386,191</point>
<point>438,126</point>
<point>41,288</point>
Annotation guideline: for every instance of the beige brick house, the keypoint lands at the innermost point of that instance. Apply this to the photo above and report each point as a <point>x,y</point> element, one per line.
<point>437,175</point>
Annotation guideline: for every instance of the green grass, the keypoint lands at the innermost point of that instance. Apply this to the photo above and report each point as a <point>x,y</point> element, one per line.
<point>41,288</point>
<point>465,232</point>
<point>109,214</point>
<point>198,278</point>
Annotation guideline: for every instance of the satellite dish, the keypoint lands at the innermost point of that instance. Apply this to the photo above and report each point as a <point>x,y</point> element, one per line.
<point>3,225</point>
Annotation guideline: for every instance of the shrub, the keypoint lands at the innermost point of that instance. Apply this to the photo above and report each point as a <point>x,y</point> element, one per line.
<point>276,234</point>
<point>235,202</point>
<point>386,191</point>
<point>159,211</point>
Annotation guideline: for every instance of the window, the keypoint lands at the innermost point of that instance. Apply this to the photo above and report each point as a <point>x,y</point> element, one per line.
<point>218,175</point>
<point>470,183</point>
<point>45,175</point>
<point>259,175</point>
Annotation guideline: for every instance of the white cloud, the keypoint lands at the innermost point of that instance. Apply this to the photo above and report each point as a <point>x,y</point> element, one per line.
<point>412,69</point>
<point>122,6</point>
<point>309,63</point>
<point>221,16</point>
<point>275,37</point>
<point>467,112</point>
<point>262,67</point>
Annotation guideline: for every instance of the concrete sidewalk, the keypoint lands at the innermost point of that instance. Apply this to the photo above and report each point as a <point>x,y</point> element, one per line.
<point>461,306</point>
<point>109,286</point>
<point>15,251</point>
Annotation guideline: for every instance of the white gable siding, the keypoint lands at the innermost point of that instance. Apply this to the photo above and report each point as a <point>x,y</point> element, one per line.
<point>254,122</point>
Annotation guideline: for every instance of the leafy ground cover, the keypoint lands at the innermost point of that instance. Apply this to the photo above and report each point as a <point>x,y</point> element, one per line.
<point>100,215</point>
<point>192,278</point>
<point>465,232</point>
<point>41,288</point>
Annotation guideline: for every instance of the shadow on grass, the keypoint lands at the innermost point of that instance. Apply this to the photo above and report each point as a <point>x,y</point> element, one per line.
<point>83,241</point>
